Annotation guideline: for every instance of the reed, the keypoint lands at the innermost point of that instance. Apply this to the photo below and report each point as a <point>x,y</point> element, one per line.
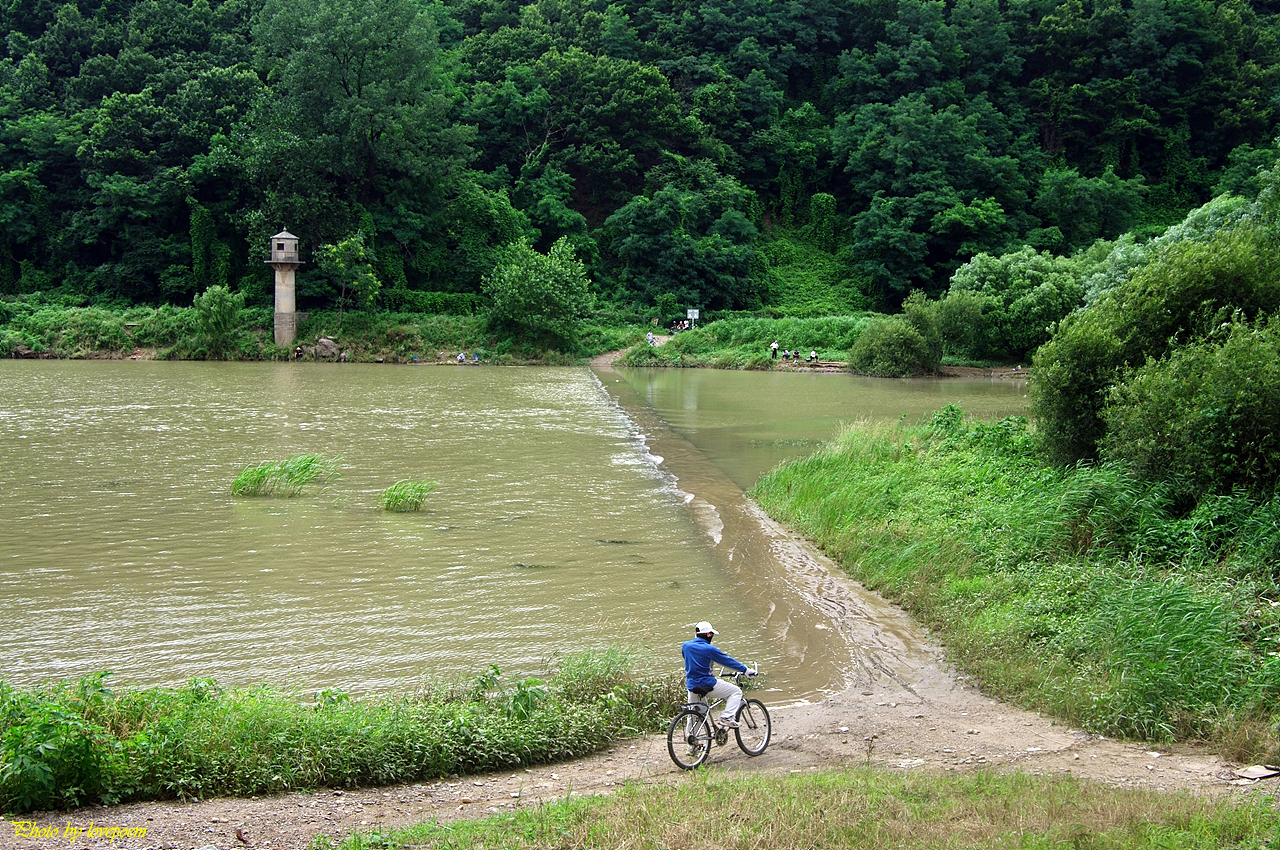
<point>285,477</point>
<point>405,496</point>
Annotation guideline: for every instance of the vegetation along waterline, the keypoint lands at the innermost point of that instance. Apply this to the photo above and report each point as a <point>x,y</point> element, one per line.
<point>861,807</point>
<point>1084,591</point>
<point>82,743</point>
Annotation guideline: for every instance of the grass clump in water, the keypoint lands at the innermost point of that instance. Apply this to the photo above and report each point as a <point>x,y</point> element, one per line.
<point>285,477</point>
<point>405,496</point>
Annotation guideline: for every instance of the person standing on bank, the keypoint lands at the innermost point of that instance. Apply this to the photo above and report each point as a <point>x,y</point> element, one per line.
<point>773,350</point>
<point>699,655</point>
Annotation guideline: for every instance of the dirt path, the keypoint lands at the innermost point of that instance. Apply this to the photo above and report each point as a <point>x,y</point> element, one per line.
<point>902,708</point>
<point>940,725</point>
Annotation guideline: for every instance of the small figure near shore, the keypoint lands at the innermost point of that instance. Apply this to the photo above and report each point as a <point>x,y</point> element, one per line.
<point>813,355</point>
<point>462,357</point>
<point>773,349</point>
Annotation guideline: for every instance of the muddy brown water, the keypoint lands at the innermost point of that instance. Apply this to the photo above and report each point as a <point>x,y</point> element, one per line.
<point>574,509</point>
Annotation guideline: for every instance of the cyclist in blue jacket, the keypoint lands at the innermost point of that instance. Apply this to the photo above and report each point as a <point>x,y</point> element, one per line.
<point>699,655</point>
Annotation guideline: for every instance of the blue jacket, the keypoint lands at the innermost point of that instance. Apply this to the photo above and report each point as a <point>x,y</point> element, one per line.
<point>699,655</point>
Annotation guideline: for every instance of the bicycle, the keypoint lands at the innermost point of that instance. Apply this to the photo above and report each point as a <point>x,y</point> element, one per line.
<point>694,730</point>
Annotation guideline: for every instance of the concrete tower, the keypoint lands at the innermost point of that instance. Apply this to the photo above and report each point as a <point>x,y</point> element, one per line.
<point>284,259</point>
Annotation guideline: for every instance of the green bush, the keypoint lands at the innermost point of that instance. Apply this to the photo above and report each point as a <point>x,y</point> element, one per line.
<point>1009,303</point>
<point>1205,414</point>
<point>541,298</point>
<point>892,347</point>
<point>1183,295</point>
<point>216,311</point>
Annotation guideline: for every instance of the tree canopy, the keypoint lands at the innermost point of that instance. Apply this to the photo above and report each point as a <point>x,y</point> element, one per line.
<point>148,148</point>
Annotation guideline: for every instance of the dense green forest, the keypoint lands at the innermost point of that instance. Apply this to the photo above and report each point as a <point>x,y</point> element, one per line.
<point>809,158</point>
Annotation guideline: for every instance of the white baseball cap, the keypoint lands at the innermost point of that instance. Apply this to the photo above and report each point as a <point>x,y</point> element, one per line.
<point>704,628</point>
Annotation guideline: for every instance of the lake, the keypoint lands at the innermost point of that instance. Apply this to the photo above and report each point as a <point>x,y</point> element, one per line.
<point>573,510</point>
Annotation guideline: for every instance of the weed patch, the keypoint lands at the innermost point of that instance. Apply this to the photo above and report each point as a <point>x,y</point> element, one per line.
<point>79,743</point>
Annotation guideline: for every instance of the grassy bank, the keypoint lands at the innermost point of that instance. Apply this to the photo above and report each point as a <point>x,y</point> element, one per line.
<point>743,343</point>
<point>80,743</point>
<point>867,809</point>
<point>1075,591</point>
<point>36,328</point>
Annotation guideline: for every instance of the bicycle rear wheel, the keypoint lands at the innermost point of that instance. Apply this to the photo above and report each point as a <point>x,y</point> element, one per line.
<point>689,739</point>
<point>754,727</point>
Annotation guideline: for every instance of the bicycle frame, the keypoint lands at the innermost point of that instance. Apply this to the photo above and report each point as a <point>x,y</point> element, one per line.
<point>694,731</point>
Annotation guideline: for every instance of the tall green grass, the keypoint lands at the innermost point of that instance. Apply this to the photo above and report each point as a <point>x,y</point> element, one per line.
<point>285,477</point>
<point>405,496</point>
<point>1079,591</point>
<point>79,743</point>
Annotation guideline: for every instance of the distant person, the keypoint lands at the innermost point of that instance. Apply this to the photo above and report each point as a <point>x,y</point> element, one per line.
<point>773,350</point>
<point>475,357</point>
<point>786,355</point>
<point>699,655</point>
<point>462,357</point>
<point>813,355</point>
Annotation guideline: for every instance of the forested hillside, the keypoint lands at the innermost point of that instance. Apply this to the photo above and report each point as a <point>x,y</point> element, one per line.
<point>815,156</point>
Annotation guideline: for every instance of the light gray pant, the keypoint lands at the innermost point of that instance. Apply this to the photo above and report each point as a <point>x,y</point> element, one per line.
<point>726,690</point>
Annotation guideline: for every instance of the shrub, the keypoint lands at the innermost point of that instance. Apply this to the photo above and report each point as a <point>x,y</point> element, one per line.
<point>891,347</point>
<point>216,310</point>
<point>1182,295</point>
<point>78,743</point>
<point>1206,413</point>
<point>539,297</point>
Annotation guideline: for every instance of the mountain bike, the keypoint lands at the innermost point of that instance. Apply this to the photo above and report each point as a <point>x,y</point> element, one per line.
<point>694,730</point>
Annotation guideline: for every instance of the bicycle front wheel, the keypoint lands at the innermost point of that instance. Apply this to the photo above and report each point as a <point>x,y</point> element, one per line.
<point>689,739</point>
<point>753,727</point>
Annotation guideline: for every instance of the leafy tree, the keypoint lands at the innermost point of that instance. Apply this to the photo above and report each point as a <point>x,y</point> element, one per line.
<point>350,264</point>
<point>356,117</point>
<point>691,237</point>
<point>539,298</point>
<point>1020,295</point>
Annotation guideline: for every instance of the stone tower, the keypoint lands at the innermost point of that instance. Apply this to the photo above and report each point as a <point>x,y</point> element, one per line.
<point>284,259</point>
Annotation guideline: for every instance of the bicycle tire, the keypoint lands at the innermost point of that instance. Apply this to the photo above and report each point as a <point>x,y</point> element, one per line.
<point>754,727</point>
<point>689,750</point>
